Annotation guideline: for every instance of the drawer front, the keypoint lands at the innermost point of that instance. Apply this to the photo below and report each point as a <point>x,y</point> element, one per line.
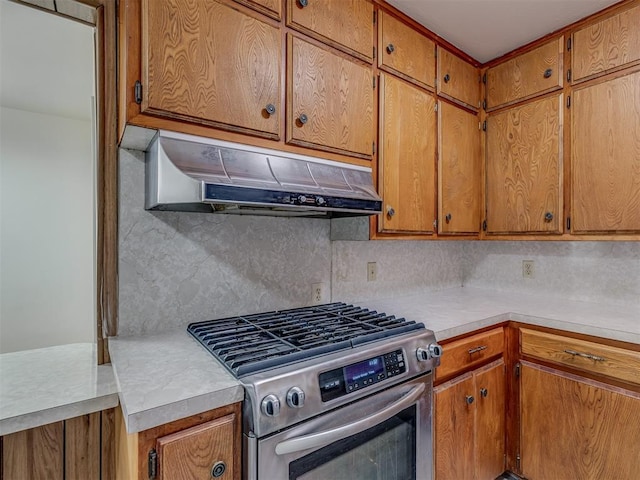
<point>582,355</point>
<point>406,52</point>
<point>533,73</point>
<point>470,351</point>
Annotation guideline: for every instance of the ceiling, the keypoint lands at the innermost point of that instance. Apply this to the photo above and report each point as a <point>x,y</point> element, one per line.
<point>486,29</point>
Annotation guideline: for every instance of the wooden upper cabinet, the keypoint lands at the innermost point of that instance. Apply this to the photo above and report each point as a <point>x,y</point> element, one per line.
<point>405,52</point>
<point>524,168</point>
<point>344,24</point>
<point>268,7</point>
<point>459,170</point>
<point>607,44</point>
<point>407,157</point>
<point>330,104</point>
<point>208,63</point>
<point>458,80</point>
<point>199,452</point>
<point>605,156</point>
<point>527,75</point>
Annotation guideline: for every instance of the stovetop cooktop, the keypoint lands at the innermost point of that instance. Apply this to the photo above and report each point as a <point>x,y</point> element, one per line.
<point>251,343</point>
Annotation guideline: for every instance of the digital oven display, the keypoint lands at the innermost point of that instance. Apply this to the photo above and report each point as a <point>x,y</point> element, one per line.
<point>365,372</point>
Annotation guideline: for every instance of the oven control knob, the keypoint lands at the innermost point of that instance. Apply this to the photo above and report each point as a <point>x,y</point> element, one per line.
<point>270,406</point>
<point>295,397</point>
<point>432,351</point>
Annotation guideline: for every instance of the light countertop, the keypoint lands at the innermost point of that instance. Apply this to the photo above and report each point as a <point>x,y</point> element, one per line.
<point>47,385</point>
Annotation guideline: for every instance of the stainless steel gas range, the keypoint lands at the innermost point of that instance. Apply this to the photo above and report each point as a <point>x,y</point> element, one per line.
<point>333,391</point>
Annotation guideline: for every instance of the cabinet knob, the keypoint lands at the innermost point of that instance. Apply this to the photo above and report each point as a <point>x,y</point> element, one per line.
<point>390,211</point>
<point>303,119</point>
<point>390,48</point>
<point>548,72</point>
<point>303,3</point>
<point>484,392</point>
<point>548,217</point>
<point>447,217</point>
<point>469,399</point>
<point>447,77</point>
<point>218,469</point>
<point>270,108</point>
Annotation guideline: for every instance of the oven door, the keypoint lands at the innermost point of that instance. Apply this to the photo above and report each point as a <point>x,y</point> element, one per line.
<point>386,436</point>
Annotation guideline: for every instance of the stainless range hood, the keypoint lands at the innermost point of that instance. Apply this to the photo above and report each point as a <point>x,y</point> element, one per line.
<point>196,174</point>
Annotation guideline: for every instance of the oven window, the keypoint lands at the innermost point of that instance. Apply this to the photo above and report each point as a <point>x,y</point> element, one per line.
<point>384,452</point>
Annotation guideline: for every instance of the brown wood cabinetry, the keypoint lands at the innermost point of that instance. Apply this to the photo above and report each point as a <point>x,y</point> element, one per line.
<point>344,24</point>
<point>524,168</point>
<point>407,157</point>
<point>469,425</point>
<point>405,51</point>
<point>569,424</point>
<point>458,80</point>
<point>605,155</point>
<point>330,100</point>
<point>208,63</point>
<point>268,7</point>
<point>459,170</point>
<point>470,351</point>
<point>606,45</point>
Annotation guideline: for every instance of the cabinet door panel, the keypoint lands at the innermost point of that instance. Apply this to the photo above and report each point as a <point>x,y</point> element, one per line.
<point>268,7</point>
<point>457,79</point>
<point>193,452</point>
<point>490,422</point>
<point>335,96</point>
<point>526,75</point>
<point>607,44</point>
<point>208,63</point>
<point>605,156</point>
<point>459,170</point>
<point>407,156</point>
<point>569,425</point>
<point>454,429</point>
<point>405,52</point>
<point>345,24</point>
<point>524,168</point>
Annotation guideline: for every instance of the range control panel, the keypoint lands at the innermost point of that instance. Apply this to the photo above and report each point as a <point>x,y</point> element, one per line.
<point>351,378</point>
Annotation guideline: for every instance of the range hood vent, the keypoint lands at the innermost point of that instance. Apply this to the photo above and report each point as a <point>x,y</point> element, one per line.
<point>196,174</point>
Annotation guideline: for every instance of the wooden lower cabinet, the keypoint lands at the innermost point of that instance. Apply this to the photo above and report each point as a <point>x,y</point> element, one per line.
<point>469,425</point>
<point>572,427</point>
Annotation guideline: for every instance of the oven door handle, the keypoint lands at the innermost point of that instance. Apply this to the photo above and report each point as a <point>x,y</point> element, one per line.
<point>321,439</point>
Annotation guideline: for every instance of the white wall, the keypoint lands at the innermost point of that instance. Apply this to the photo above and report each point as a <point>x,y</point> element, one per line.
<point>46,231</point>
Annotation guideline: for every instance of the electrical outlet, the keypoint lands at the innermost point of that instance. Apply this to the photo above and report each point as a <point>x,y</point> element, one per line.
<point>372,271</point>
<point>317,293</point>
<point>528,270</point>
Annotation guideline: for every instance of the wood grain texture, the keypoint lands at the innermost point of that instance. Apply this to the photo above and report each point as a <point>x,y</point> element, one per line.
<point>524,168</point>
<point>127,463</point>
<point>456,357</point>
<point>490,421</point>
<point>344,24</point>
<point>336,95</point>
<point>407,154</point>
<point>459,170</point>
<point>272,8</point>
<point>605,156</point>
<point>192,453</point>
<point>108,444</point>
<point>454,456</point>
<point>206,62</point>
<point>413,55</point>
<point>619,363</point>
<point>569,425</point>
<point>463,82</point>
<point>34,454</point>
<point>82,447</point>
<point>523,77</point>
<point>607,44</point>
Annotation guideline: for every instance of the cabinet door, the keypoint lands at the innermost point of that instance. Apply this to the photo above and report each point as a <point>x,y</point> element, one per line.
<point>407,156</point>
<point>208,63</point>
<point>458,80</point>
<point>605,156</point>
<point>330,102</point>
<point>454,429</point>
<point>344,24</point>
<point>607,44</point>
<point>459,170</point>
<point>490,391</point>
<point>268,7</point>
<point>198,451</point>
<point>532,73</point>
<point>405,52</point>
<point>524,168</point>
<point>577,428</point>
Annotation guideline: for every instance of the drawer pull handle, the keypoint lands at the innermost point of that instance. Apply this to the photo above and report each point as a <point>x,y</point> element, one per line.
<point>590,356</point>
<point>477,349</point>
